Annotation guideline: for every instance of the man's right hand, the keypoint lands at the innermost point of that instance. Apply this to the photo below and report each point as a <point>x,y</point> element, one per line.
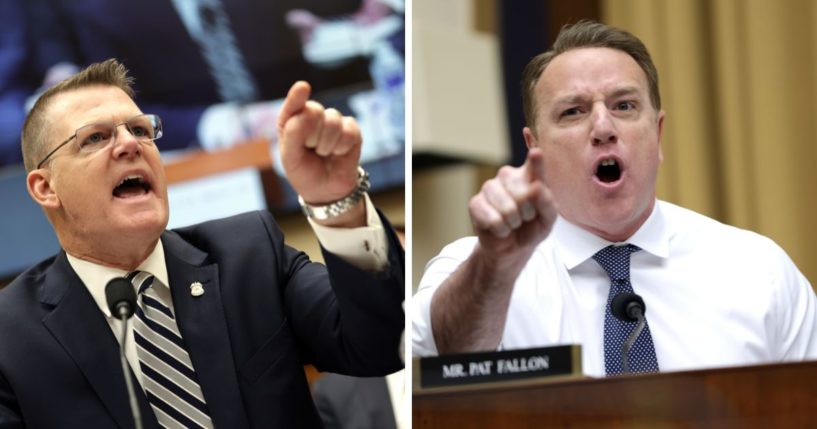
<point>514,211</point>
<point>511,215</point>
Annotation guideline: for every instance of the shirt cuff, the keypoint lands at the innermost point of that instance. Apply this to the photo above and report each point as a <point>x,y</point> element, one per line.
<point>363,247</point>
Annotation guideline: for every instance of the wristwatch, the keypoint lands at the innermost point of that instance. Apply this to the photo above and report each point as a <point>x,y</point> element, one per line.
<point>342,205</point>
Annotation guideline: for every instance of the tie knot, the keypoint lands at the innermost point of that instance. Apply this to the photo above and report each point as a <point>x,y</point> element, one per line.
<point>141,279</point>
<point>616,260</point>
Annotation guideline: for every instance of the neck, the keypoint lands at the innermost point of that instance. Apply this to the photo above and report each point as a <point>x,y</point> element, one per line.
<point>618,236</point>
<point>125,257</point>
<point>622,232</point>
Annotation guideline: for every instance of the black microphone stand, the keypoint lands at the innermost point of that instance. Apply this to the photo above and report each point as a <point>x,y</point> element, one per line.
<point>134,406</point>
<point>121,300</point>
<point>629,307</point>
<point>628,343</point>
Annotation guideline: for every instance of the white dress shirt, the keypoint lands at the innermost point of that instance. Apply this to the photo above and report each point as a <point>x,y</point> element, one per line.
<point>715,295</point>
<point>364,247</point>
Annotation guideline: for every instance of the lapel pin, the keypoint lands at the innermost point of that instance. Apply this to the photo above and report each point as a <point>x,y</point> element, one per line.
<point>196,289</point>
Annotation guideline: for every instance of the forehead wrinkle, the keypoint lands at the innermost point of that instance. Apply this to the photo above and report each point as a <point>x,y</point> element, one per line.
<point>573,98</point>
<point>96,103</point>
<point>78,107</point>
<point>578,97</point>
<point>584,71</point>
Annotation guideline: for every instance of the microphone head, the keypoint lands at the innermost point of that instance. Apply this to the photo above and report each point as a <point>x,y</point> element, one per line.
<point>624,305</point>
<point>119,294</point>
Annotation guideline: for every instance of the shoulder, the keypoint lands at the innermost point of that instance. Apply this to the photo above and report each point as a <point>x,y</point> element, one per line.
<point>684,221</point>
<point>33,276</point>
<point>230,230</point>
<point>695,231</point>
<point>229,225</point>
<point>18,296</point>
<point>244,237</point>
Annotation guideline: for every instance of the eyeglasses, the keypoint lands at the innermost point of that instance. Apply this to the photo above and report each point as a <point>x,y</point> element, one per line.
<point>97,136</point>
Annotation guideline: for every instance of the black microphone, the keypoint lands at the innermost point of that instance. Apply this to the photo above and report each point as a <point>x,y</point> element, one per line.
<point>629,307</point>
<point>121,300</point>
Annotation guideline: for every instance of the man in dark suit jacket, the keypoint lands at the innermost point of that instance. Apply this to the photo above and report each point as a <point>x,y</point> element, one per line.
<point>251,311</point>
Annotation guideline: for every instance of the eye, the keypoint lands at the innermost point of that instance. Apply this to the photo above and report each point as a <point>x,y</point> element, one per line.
<point>625,105</point>
<point>573,111</point>
<point>139,131</point>
<point>141,127</point>
<point>94,139</point>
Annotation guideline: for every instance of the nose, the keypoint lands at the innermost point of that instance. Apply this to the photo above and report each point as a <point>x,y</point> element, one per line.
<point>603,130</point>
<point>125,144</point>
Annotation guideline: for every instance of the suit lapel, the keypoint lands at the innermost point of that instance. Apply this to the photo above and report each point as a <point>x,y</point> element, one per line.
<point>77,324</point>
<point>203,325</point>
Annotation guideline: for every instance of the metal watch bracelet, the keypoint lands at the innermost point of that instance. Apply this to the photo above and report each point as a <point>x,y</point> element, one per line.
<point>341,206</point>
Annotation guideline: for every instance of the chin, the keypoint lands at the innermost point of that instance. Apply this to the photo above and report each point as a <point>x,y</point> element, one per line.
<point>623,220</point>
<point>147,224</point>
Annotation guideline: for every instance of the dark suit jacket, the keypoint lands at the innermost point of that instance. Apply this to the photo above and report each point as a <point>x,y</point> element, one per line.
<point>346,402</point>
<point>266,311</point>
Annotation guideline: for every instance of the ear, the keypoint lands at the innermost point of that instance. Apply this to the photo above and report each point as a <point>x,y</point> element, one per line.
<point>530,138</point>
<point>661,116</point>
<point>39,187</point>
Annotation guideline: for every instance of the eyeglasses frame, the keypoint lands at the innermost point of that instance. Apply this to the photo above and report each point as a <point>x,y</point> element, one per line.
<point>115,127</point>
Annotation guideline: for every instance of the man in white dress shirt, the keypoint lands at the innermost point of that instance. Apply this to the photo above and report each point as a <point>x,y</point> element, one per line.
<point>716,295</point>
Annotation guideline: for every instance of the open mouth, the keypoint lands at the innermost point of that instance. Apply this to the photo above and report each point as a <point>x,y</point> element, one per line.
<point>131,186</point>
<point>608,171</point>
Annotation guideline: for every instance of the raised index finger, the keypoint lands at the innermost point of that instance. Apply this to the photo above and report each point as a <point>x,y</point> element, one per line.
<point>535,165</point>
<point>296,99</point>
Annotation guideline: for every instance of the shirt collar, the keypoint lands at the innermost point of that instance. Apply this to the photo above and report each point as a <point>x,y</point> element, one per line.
<point>577,245</point>
<point>96,277</point>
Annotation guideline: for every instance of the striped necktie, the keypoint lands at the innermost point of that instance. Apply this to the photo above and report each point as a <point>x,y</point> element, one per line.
<point>616,262</point>
<point>168,376</point>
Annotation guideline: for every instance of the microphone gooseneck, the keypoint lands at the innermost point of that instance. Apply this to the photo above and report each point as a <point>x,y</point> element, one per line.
<point>121,300</point>
<point>629,307</point>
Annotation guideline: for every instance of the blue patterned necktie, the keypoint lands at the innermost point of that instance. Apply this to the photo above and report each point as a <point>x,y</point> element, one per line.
<point>168,376</point>
<point>616,262</point>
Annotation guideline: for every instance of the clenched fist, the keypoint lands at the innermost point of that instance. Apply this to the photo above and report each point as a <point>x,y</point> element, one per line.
<point>320,148</point>
<point>320,151</point>
<point>514,211</point>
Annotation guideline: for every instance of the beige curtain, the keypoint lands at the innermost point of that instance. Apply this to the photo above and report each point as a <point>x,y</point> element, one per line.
<point>738,81</point>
